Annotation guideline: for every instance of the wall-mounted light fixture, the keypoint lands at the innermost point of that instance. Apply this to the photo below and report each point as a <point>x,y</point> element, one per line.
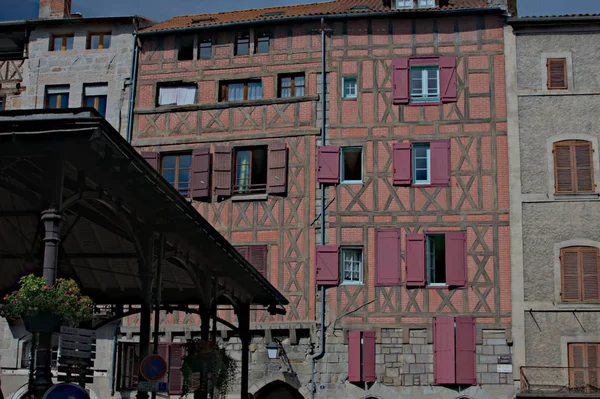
<point>276,349</point>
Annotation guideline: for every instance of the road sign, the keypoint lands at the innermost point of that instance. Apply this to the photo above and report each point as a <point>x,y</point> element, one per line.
<point>152,386</point>
<point>153,368</point>
<point>66,391</point>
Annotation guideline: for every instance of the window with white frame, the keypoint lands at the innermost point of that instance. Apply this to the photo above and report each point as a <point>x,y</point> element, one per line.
<point>421,164</point>
<point>177,94</point>
<point>349,88</point>
<point>404,3</point>
<point>425,84</point>
<point>351,167</point>
<point>352,259</point>
<point>426,3</point>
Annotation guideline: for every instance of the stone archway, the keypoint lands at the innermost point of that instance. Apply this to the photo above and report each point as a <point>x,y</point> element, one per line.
<point>278,390</point>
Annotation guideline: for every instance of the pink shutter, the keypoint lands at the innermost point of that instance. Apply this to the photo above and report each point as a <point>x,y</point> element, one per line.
<point>448,90</point>
<point>244,250</point>
<point>277,165</point>
<point>152,158</point>
<point>387,257</point>
<point>222,171</point>
<point>415,260</point>
<point>440,162</point>
<point>258,258</point>
<point>465,351</point>
<point>327,265</point>
<point>354,356</point>
<point>400,81</point>
<point>163,351</point>
<point>456,258</point>
<point>443,350</point>
<point>200,173</point>
<point>368,356</point>
<point>176,353</point>
<point>401,163</point>
<point>328,164</point>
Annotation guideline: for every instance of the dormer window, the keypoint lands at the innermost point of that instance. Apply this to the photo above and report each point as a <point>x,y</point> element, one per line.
<point>400,4</point>
<point>426,3</point>
<point>410,4</point>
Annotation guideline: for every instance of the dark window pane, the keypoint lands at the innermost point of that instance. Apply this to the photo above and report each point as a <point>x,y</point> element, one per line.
<point>2,99</point>
<point>184,177</point>
<point>205,49</point>
<point>52,101</point>
<point>57,44</point>
<point>186,48</point>
<point>352,164</point>
<point>169,175</point>
<point>421,163</point>
<point>420,151</point>
<point>299,91</point>
<point>102,105</point>
<point>106,41</point>
<point>64,100</point>
<point>421,175</point>
<point>299,80</point>
<point>94,41</point>
<point>169,162</point>
<point>185,161</point>
<point>262,44</point>
<point>69,42</point>
<point>89,101</point>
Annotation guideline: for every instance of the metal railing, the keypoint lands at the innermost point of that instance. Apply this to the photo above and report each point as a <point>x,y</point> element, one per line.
<point>580,380</point>
<point>249,188</point>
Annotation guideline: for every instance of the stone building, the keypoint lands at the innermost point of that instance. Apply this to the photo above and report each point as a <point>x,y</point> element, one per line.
<point>13,63</point>
<point>553,92</point>
<point>403,155</point>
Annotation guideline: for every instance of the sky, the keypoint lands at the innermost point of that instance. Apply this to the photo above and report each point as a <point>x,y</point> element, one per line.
<point>160,10</point>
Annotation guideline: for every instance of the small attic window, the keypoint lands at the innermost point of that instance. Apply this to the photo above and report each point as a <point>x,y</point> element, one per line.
<point>199,20</point>
<point>273,14</point>
<point>409,4</point>
<point>359,8</point>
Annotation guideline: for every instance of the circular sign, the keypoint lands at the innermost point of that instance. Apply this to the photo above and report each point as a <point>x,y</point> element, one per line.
<point>65,390</point>
<point>153,368</point>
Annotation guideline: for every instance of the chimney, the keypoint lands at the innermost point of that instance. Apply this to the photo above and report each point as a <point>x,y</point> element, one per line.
<point>54,9</point>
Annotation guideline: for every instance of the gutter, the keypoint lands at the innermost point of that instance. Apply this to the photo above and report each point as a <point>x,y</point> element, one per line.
<point>132,86</point>
<point>542,20</point>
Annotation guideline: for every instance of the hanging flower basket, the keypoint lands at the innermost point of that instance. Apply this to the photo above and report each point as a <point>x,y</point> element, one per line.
<point>42,322</point>
<point>207,357</point>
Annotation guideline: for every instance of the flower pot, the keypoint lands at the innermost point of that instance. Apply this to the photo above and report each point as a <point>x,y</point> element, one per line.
<point>42,323</point>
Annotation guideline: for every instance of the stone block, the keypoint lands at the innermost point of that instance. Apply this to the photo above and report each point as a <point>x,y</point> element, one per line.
<point>408,380</point>
<point>397,350</point>
<point>427,349</point>
<point>501,350</point>
<point>417,369</point>
<point>391,372</point>
<point>424,358</point>
<point>479,349</point>
<point>482,368</point>
<point>490,378</point>
<point>390,358</point>
<point>488,350</point>
<point>494,341</point>
<point>429,369</point>
<point>332,358</point>
<point>492,368</point>
<point>386,340</point>
<point>408,358</point>
<point>488,359</point>
<point>388,380</point>
<point>379,359</point>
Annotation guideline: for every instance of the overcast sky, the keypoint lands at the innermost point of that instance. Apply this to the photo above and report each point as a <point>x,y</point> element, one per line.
<point>160,10</point>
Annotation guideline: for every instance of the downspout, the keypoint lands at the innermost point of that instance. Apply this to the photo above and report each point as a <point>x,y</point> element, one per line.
<point>113,363</point>
<point>132,86</point>
<point>323,137</point>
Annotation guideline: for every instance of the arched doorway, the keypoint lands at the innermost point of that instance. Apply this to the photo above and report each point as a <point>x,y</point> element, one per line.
<point>278,390</point>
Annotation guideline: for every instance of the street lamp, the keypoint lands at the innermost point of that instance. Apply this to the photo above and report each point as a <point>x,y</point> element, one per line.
<point>273,350</point>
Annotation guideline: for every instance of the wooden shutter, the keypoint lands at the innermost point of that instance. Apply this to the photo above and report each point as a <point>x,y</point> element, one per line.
<point>354,356</point>
<point>415,260</point>
<point>465,351</point>
<point>443,350</point>
<point>563,168</point>
<point>152,158</point>
<point>401,163</point>
<point>387,257</point>
<point>200,173</point>
<point>569,260</point>
<point>222,171</point>
<point>584,170</point>
<point>456,258</point>
<point>573,167</point>
<point>277,165</point>
<point>557,73</point>
<point>328,164</point>
<point>163,351</point>
<point>258,258</point>
<point>440,162</point>
<point>593,362</point>
<point>400,81</point>
<point>590,271</point>
<point>327,265</point>
<point>448,91</point>
<point>176,353</point>
<point>244,250</point>
<point>368,356</point>
<point>577,364</point>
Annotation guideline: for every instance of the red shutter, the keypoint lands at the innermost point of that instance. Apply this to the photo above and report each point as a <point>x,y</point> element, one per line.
<point>243,250</point>
<point>258,258</point>
<point>440,162</point>
<point>368,356</point>
<point>415,260</point>
<point>465,351</point>
<point>400,80</point>
<point>176,353</point>
<point>163,351</point>
<point>401,163</point>
<point>328,164</point>
<point>327,265</point>
<point>448,90</point>
<point>443,350</point>
<point>222,171</point>
<point>354,356</point>
<point>456,258</point>
<point>200,173</point>
<point>278,165</point>
<point>152,158</point>
<point>387,257</point>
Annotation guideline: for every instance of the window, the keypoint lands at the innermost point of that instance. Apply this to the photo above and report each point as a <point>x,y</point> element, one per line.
<point>436,259</point>
<point>351,167</point>
<point>557,73</point>
<point>584,371</point>
<point>180,94</point>
<point>95,97</point>
<point>573,167</point>
<point>580,274</point>
<point>98,41</point>
<point>204,48</point>
<point>176,170</point>
<point>2,103</point>
<point>421,164</point>
<point>242,43</point>
<point>185,50</point>
<point>256,255</point>
<point>349,88</point>
<point>454,350</point>
<point>241,90</point>
<point>426,3</point>
<point>61,42</point>
<point>425,84</point>
<point>404,4</point>
<point>57,97</point>
<point>291,86</point>
<point>250,173</point>
<point>262,42</point>
<point>352,268</point>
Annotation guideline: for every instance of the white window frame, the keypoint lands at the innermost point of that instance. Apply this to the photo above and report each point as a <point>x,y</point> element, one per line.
<point>351,264</point>
<point>342,179</point>
<point>414,163</point>
<point>428,261</point>
<point>347,94</point>
<point>404,4</point>
<point>425,96</point>
<point>179,94</point>
<point>426,3</point>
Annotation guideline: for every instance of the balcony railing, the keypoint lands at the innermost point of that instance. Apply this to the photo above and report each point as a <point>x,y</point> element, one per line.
<point>575,380</point>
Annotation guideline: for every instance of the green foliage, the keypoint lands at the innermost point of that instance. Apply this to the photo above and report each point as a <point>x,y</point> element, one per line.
<point>35,297</point>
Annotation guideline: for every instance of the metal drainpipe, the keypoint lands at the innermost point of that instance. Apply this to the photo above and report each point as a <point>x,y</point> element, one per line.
<point>132,85</point>
<point>323,136</point>
<point>113,364</point>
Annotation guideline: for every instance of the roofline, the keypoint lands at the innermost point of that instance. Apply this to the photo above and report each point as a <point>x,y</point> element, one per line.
<point>495,8</point>
<point>553,20</point>
<point>58,21</point>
